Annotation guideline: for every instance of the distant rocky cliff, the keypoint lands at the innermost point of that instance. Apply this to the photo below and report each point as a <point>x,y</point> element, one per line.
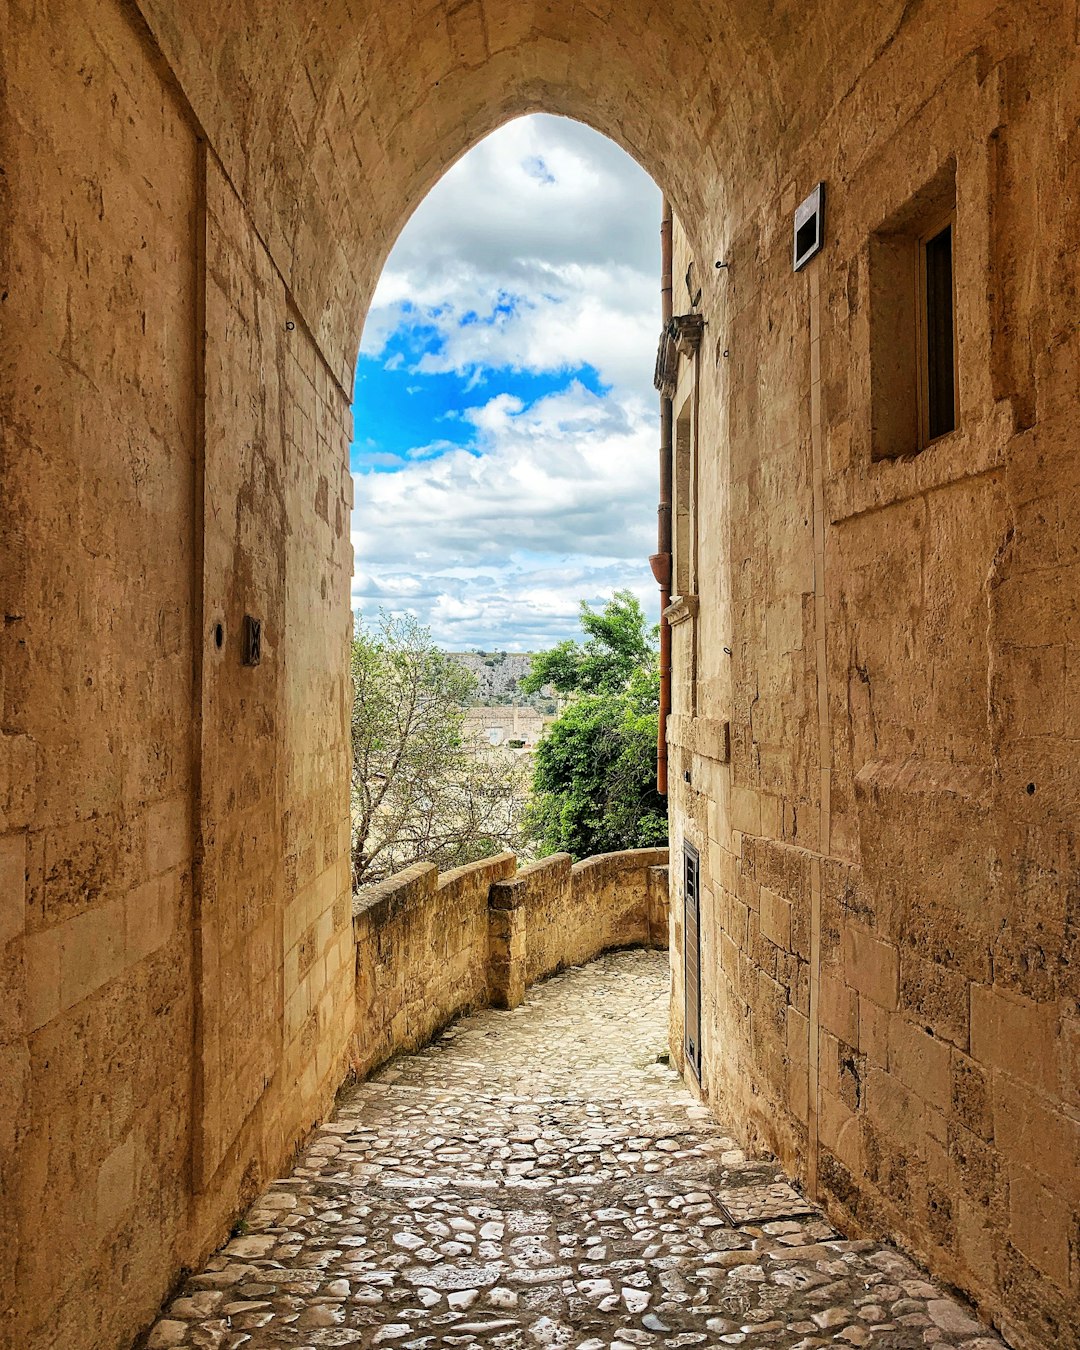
<point>497,678</point>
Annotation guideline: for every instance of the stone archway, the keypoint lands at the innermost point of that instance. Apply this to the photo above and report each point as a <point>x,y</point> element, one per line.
<point>223,184</point>
<point>198,200</point>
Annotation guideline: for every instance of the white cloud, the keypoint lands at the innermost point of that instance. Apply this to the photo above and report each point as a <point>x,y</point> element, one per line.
<point>558,265</point>
<point>537,252</point>
<point>499,547</point>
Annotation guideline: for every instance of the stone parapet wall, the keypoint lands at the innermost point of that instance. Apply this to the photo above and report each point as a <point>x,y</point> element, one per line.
<point>876,660</point>
<point>421,954</point>
<point>430,947</point>
<point>611,898</point>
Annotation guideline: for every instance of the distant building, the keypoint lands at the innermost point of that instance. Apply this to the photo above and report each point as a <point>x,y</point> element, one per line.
<point>515,728</point>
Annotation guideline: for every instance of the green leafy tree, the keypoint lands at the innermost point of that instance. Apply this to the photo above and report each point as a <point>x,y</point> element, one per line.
<point>594,781</point>
<point>617,645</point>
<point>421,791</point>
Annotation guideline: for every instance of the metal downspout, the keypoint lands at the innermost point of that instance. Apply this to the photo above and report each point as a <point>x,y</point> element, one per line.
<point>661,562</point>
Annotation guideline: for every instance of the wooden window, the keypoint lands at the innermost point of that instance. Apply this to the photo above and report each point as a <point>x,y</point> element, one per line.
<point>937,338</point>
<point>914,387</point>
<point>692,957</point>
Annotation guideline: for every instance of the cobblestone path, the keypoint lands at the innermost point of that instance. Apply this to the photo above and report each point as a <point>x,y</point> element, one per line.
<point>537,1179</point>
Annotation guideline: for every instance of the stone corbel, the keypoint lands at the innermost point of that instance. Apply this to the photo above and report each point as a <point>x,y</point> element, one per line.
<point>666,374</point>
<point>688,330</point>
<point>681,337</point>
<point>682,607</point>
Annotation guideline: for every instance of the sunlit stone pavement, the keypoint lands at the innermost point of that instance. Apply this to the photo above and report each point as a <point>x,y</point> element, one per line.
<point>539,1179</point>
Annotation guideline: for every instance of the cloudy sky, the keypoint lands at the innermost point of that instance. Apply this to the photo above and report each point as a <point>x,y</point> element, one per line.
<point>506,424</point>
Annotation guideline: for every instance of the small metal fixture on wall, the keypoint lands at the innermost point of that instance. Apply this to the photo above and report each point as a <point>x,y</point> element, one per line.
<point>252,640</point>
<point>809,227</point>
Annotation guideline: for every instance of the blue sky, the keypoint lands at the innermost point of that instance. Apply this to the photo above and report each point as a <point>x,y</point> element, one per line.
<point>505,421</point>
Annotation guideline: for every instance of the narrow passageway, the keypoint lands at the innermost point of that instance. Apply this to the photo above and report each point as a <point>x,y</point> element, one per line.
<point>539,1179</point>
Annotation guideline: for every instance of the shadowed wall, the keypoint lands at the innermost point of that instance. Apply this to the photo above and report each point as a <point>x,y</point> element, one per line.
<point>197,201</point>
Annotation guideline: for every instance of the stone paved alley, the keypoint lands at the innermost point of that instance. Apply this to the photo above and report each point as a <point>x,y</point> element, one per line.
<point>538,1179</point>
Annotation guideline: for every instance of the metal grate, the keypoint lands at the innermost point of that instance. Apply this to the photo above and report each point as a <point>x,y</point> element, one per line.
<point>692,956</point>
<point>252,634</point>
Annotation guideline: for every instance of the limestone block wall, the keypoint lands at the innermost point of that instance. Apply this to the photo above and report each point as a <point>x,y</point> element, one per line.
<point>874,747</point>
<point>613,899</point>
<point>174,887</point>
<point>887,832</point>
<point>97,680</point>
<point>430,947</point>
<point>421,954</point>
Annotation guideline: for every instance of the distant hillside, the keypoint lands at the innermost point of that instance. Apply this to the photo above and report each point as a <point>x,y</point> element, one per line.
<point>497,678</point>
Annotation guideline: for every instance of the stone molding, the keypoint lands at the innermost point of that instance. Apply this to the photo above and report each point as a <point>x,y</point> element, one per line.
<point>680,337</point>
<point>709,737</point>
<point>682,607</point>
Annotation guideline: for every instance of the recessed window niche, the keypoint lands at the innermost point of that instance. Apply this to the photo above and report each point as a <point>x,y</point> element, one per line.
<point>914,394</point>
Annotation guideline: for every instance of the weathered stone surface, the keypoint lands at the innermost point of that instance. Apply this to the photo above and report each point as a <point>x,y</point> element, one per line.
<point>430,947</point>
<point>876,672</point>
<point>638,1222</point>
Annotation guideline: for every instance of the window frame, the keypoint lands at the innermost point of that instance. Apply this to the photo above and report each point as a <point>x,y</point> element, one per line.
<point>944,220</point>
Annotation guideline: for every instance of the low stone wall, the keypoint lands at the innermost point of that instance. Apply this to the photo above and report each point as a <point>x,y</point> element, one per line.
<point>572,913</point>
<point>431,947</point>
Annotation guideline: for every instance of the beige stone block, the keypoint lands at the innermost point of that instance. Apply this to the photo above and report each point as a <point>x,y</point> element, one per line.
<point>745,810</point>
<point>936,998</point>
<point>922,1063</point>
<point>772,816</point>
<point>506,956</point>
<point>332,961</point>
<point>871,966</point>
<point>1069,1061</point>
<point>168,834</point>
<point>92,951</point>
<point>296,1011</point>
<point>1029,1130</point>
<point>1014,1033</point>
<point>798,1091</point>
<point>976,1239</point>
<point>150,916</point>
<point>775,918</point>
<point>938,1166</point>
<point>324,929</point>
<point>739,922</point>
<point>838,1009</point>
<point>18,778</point>
<point>42,957</point>
<point>838,1071</point>
<point>839,1130</point>
<point>727,870</point>
<point>115,1186</point>
<point>798,1036</point>
<point>328,885</point>
<point>298,916</point>
<point>1040,1224</point>
<point>895,1112</point>
<point>291,968</point>
<point>12,886</point>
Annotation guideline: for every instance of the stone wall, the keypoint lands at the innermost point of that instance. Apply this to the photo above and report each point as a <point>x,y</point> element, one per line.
<point>431,947</point>
<point>873,686</point>
<point>174,883</point>
<point>421,954</point>
<point>97,681</point>
<point>875,740</point>
<point>615,899</point>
